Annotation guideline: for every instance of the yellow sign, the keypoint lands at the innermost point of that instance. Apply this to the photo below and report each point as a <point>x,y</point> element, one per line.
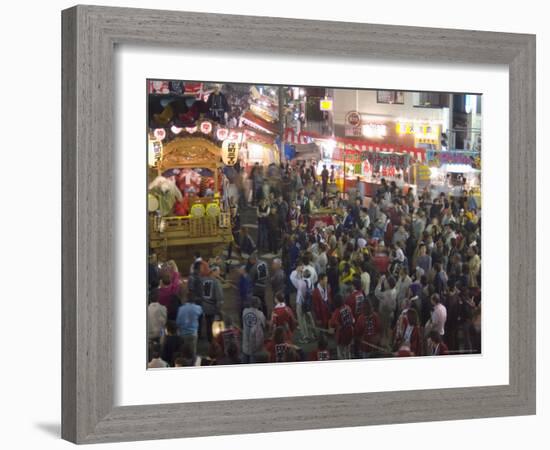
<point>420,131</point>
<point>423,172</point>
<point>230,152</point>
<point>325,104</point>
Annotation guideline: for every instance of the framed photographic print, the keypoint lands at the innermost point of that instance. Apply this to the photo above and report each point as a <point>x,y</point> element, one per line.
<point>261,222</point>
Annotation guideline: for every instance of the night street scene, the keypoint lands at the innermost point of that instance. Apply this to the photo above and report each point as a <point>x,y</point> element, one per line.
<point>298,224</point>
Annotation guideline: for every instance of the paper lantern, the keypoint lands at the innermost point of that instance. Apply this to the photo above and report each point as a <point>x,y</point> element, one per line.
<point>213,210</point>
<point>197,210</point>
<point>160,133</point>
<point>222,133</point>
<point>206,127</point>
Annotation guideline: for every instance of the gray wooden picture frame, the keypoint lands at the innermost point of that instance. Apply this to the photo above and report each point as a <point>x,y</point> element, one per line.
<point>89,36</point>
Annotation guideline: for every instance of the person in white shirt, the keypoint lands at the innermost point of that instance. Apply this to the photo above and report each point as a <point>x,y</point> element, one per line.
<point>365,278</point>
<point>309,266</point>
<point>322,258</point>
<point>438,317</point>
<point>301,279</point>
<point>403,283</point>
<point>156,319</point>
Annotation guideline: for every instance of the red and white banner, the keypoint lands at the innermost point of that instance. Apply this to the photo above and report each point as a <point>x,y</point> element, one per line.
<point>418,154</point>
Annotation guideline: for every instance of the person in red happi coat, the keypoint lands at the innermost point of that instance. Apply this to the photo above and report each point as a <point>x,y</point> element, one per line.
<point>282,316</point>
<point>356,298</point>
<point>322,353</point>
<point>322,302</point>
<point>230,335</point>
<point>279,347</point>
<point>368,330</point>
<point>409,333</point>
<point>436,346</point>
<point>342,322</point>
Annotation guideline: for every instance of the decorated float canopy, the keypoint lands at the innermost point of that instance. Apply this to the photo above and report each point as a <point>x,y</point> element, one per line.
<point>189,152</point>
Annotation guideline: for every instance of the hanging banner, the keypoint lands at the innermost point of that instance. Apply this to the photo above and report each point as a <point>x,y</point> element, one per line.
<point>416,153</point>
<point>230,152</point>
<point>438,158</point>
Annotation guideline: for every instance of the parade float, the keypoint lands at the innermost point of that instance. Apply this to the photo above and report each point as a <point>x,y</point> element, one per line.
<point>186,210</point>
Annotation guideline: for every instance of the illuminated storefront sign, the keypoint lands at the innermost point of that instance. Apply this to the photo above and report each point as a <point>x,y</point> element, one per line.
<point>325,104</point>
<point>374,130</point>
<point>419,130</point>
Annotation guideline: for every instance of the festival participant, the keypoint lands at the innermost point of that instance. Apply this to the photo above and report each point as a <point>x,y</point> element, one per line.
<point>301,279</point>
<point>356,298</point>
<point>438,316</point>
<point>452,304</point>
<point>282,316</point>
<point>402,287</point>
<point>156,319</point>
<point>259,276</point>
<point>169,287</point>
<point>322,352</point>
<point>245,290</point>
<point>262,213</point>
<point>342,322</point>
<point>230,334</point>
<point>387,296</point>
<point>245,245</point>
<point>254,325</point>
<point>368,331</point>
<point>188,319</point>
<point>424,261</point>
<point>156,362</point>
<point>324,179</point>
<point>274,228</point>
<point>278,346</point>
<point>410,333</point>
<point>195,289</point>
<point>277,278</point>
<point>171,342</point>
<point>322,302</point>
<point>436,346</point>
<point>212,298</point>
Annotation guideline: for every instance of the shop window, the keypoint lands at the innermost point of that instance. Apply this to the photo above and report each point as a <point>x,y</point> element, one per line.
<point>390,97</point>
<point>430,100</point>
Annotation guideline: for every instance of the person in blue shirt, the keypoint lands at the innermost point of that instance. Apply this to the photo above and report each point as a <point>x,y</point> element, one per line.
<point>245,290</point>
<point>187,320</point>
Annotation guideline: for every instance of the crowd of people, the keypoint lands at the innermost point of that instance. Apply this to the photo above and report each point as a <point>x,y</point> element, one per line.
<point>398,274</point>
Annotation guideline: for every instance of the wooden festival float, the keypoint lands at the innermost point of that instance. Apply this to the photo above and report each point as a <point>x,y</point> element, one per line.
<point>207,226</point>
